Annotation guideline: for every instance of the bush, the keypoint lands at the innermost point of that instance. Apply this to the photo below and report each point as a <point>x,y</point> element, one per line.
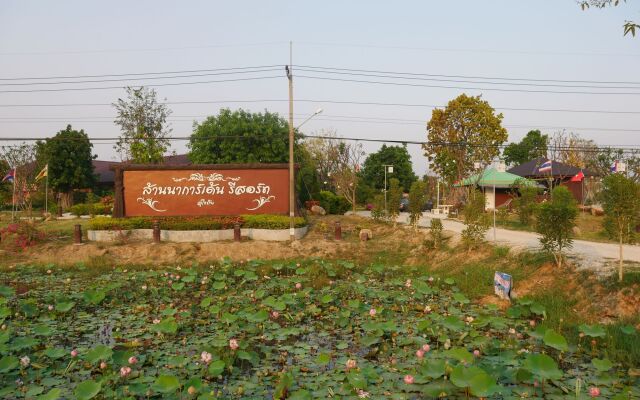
<point>475,219</point>
<point>555,222</point>
<point>526,204</point>
<point>90,209</point>
<point>378,213</point>
<point>195,223</point>
<point>436,232</point>
<point>417,198</point>
<point>333,204</point>
<point>24,234</point>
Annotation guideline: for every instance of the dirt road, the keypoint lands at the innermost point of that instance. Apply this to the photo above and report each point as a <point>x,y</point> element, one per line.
<point>595,256</point>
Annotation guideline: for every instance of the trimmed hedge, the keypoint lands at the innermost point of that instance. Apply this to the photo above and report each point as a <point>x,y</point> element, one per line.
<point>90,209</point>
<point>195,223</point>
<point>333,203</point>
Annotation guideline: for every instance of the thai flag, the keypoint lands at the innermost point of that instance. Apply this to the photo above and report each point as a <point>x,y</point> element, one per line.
<point>614,167</point>
<point>545,167</point>
<point>9,176</point>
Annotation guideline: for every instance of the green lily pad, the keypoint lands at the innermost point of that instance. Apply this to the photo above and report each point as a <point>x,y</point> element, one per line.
<point>52,394</point>
<point>87,390</point>
<point>166,326</point>
<point>216,368</point>
<point>166,384</point>
<point>555,340</point>
<point>99,353</point>
<point>602,365</point>
<point>592,330</point>
<point>8,363</point>
<point>543,366</point>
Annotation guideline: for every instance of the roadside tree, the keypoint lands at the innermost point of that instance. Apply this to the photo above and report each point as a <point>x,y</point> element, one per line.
<point>143,123</point>
<point>555,221</point>
<point>621,204</point>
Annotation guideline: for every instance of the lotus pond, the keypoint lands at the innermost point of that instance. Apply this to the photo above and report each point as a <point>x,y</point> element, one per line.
<point>296,330</point>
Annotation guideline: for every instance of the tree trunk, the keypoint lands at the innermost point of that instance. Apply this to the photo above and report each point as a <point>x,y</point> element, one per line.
<point>620,261</point>
<point>66,199</point>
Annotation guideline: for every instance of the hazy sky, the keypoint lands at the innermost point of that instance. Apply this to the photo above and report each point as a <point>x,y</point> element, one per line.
<point>545,40</point>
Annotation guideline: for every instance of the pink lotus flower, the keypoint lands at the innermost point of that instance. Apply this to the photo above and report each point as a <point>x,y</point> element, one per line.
<point>124,371</point>
<point>170,282</point>
<point>50,307</point>
<point>372,312</point>
<point>426,348</point>
<point>156,321</point>
<point>133,360</point>
<point>233,344</point>
<point>476,353</point>
<point>532,323</point>
<point>430,279</point>
<point>408,283</point>
<point>420,353</point>
<point>205,357</point>
<point>351,364</point>
<point>144,287</point>
<point>427,309</point>
<point>275,314</point>
<point>103,365</point>
<point>25,361</point>
<point>192,390</point>
<point>594,391</point>
<point>408,379</point>
<point>362,394</point>
<point>298,285</point>
<point>512,331</point>
<point>49,271</point>
<point>74,353</point>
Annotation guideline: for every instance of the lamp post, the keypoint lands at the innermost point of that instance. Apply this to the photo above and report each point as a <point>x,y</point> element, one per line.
<point>387,168</point>
<point>318,111</point>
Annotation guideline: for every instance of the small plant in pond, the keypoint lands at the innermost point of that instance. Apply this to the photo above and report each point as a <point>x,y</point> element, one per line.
<point>435,230</point>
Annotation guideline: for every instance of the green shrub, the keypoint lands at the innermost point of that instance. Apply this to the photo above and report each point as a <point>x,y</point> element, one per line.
<point>475,219</point>
<point>265,221</point>
<point>195,223</point>
<point>526,204</point>
<point>90,209</point>
<point>555,220</point>
<point>378,213</point>
<point>436,232</point>
<point>333,204</point>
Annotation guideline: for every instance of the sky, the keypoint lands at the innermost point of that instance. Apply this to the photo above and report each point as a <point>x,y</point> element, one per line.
<point>458,44</point>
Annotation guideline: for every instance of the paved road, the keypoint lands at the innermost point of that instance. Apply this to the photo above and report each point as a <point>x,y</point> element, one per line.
<point>600,257</point>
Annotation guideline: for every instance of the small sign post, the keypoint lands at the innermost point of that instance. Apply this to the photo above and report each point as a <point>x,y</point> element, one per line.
<point>502,284</point>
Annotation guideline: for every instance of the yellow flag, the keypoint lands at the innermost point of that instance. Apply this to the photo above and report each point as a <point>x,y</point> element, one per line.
<point>43,173</point>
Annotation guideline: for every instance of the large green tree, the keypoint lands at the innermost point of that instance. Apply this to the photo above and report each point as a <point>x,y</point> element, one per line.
<point>555,220</point>
<point>69,156</point>
<point>533,145</point>
<point>240,137</point>
<point>143,123</point>
<point>398,156</point>
<point>465,132</point>
<point>621,204</point>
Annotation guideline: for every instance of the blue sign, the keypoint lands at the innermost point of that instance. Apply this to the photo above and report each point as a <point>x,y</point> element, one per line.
<point>502,284</point>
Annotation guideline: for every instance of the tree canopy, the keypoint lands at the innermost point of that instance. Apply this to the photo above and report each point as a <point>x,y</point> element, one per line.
<point>533,145</point>
<point>70,159</point>
<point>398,156</point>
<point>465,132</point>
<point>143,122</point>
<point>240,137</point>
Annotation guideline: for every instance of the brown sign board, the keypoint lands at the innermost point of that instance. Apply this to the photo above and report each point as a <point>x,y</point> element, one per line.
<point>225,189</point>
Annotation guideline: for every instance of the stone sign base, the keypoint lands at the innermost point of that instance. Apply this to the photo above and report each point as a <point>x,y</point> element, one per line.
<point>277,235</point>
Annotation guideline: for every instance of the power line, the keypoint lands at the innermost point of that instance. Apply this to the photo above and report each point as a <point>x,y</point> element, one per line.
<point>511,83</point>
<point>142,78</point>
<point>373,140</point>
<point>152,85</point>
<point>465,87</point>
<point>329,101</point>
<point>139,50</point>
<point>464,76</point>
<point>187,71</point>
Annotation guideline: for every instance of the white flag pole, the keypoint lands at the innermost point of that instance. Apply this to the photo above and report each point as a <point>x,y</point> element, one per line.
<point>13,198</point>
<point>46,192</point>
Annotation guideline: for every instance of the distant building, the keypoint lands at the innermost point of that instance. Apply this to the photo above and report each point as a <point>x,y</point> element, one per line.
<point>106,177</point>
<point>555,174</point>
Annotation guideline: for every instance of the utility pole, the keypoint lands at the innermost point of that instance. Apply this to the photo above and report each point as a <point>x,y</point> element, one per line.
<point>386,167</point>
<point>292,232</point>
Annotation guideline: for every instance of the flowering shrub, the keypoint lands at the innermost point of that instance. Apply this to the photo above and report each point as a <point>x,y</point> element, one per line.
<point>21,235</point>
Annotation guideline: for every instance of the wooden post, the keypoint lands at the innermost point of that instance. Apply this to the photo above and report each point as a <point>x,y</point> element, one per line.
<point>77,234</point>
<point>338,231</point>
<point>118,196</point>
<point>156,231</point>
<point>236,232</point>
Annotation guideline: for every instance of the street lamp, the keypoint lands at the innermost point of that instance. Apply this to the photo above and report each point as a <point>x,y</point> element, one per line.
<point>387,168</point>
<point>318,111</point>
